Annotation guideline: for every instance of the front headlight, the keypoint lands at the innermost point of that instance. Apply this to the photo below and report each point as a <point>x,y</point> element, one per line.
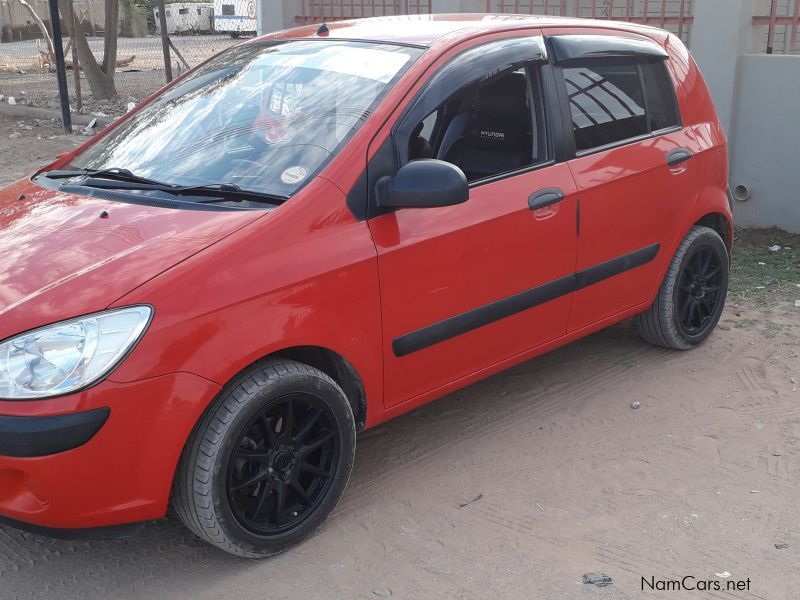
<point>68,356</point>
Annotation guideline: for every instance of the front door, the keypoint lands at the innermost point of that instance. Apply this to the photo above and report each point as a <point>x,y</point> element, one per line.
<point>464,287</point>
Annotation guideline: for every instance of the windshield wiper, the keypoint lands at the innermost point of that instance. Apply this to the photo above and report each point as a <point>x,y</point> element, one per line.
<point>230,192</point>
<point>113,173</point>
<point>117,178</point>
<point>214,192</point>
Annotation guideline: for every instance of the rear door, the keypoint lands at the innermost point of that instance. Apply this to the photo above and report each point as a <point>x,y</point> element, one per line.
<point>464,287</point>
<point>630,165</point>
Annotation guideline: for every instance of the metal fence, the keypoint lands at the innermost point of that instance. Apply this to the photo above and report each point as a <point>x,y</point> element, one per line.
<point>778,23</point>
<point>673,15</point>
<point>780,26</point>
<point>196,30</point>
<point>316,11</point>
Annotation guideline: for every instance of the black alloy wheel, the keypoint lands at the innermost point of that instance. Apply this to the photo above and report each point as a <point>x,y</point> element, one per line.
<point>268,460</point>
<point>283,464</point>
<point>700,290</point>
<point>692,294</point>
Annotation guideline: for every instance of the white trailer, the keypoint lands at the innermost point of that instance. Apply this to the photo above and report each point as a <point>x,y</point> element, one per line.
<point>235,17</point>
<point>187,17</point>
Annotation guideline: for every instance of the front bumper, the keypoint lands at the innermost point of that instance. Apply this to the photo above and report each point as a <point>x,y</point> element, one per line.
<point>105,456</point>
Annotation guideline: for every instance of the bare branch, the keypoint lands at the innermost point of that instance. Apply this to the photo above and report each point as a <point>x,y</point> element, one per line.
<point>45,34</point>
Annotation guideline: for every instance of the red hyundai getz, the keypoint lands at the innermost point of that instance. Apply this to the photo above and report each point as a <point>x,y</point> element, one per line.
<point>321,229</point>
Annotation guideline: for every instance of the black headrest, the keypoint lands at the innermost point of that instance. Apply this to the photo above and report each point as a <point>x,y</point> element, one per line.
<point>504,98</point>
<point>500,110</point>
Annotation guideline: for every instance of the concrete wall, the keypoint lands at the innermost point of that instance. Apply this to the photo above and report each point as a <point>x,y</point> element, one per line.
<point>275,15</point>
<point>717,55</point>
<point>765,156</point>
<point>758,100</point>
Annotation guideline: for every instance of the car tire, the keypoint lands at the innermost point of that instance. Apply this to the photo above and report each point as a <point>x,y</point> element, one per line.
<point>692,295</point>
<point>268,461</point>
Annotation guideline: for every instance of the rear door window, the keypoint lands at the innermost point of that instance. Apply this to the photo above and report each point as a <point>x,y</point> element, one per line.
<point>606,102</point>
<point>615,100</point>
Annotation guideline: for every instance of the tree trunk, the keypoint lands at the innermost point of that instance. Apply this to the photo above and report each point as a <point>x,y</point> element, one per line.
<point>100,79</point>
<point>110,46</point>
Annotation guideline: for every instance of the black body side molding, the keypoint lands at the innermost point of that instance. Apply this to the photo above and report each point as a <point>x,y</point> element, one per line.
<point>484,315</point>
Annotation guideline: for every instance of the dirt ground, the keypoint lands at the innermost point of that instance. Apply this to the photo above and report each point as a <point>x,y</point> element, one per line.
<point>27,144</point>
<point>515,487</point>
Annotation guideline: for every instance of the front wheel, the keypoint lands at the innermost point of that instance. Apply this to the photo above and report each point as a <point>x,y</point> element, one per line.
<point>268,461</point>
<point>691,298</point>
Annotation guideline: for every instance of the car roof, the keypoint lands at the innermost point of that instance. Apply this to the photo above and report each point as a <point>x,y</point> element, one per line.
<point>426,30</point>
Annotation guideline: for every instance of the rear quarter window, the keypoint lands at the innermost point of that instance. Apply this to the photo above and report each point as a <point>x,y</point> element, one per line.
<point>662,107</point>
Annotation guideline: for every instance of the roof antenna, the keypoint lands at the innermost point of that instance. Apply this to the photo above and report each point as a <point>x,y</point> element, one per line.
<point>323,30</point>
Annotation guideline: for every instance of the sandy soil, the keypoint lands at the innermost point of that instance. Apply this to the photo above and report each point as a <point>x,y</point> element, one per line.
<point>516,486</point>
<point>38,143</point>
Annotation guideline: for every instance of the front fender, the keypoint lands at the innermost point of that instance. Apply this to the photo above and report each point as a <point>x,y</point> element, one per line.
<point>304,276</point>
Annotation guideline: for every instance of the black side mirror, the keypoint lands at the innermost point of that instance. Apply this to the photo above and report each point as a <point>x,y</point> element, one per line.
<point>426,183</point>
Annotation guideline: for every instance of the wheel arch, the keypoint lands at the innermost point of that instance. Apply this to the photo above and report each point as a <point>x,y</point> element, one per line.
<point>719,223</point>
<point>708,214</point>
<point>335,366</point>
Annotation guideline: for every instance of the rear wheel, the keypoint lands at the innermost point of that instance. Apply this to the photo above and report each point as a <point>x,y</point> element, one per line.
<point>691,298</point>
<point>268,462</point>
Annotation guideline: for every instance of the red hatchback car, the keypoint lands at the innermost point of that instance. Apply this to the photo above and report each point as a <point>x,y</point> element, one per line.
<point>318,230</point>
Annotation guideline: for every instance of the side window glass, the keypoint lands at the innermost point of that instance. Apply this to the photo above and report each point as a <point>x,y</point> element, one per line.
<point>606,102</point>
<point>493,126</point>
<point>662,107</point>
<point>422,138</point>
<point>428,125</point>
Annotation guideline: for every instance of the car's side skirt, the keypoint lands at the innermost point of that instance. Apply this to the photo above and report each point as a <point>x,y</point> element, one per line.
<point>506,307</point>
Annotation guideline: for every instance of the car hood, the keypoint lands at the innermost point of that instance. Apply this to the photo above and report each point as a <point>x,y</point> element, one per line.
<point>65,255</point>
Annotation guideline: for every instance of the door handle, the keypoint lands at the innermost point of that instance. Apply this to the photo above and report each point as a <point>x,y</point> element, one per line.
<point>678,156</point>
<point>545,197</point>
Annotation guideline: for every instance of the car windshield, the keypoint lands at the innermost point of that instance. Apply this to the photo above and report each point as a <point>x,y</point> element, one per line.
<point>262,116</point>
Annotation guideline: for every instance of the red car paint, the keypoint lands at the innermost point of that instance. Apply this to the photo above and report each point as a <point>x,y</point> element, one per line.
<point>230,288</point>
